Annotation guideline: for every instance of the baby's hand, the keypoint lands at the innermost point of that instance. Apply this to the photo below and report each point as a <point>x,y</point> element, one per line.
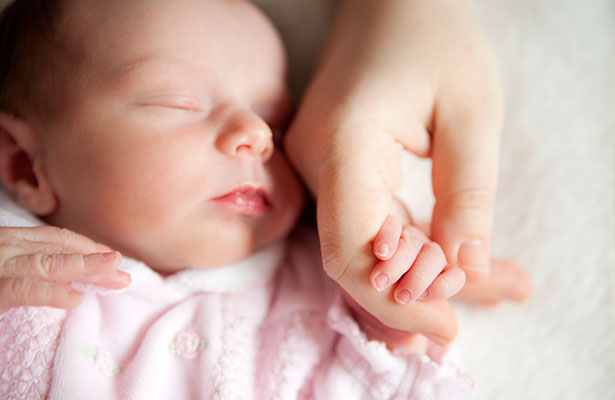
<point>37,266</point>
<point>412,261</point>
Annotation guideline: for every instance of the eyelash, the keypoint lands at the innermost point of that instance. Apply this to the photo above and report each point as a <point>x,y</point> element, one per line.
<point>177,103</point>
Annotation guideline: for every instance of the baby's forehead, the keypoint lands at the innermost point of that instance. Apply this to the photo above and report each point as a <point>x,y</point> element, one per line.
<point>107,35</point>
<point>121,26</point>
<point>115,35</point>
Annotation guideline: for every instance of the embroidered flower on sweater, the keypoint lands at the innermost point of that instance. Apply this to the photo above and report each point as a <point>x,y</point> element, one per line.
<point>187,345</point>
<point>103,361</point>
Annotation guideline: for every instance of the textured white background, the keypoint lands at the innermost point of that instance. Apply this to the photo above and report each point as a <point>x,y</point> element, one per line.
<point>555,211</point>
<point>556,200</point>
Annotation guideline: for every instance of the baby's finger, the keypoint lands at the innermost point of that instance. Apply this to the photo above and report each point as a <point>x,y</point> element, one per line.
<point>387,238</point>
<point>385,273</point>
<point>428,265</point>
<point>60,267</point>
<point>16,292</point>
<point>447,284</point>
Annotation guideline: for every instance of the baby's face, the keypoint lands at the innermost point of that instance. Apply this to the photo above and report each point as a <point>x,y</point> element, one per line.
<point>166,153</point>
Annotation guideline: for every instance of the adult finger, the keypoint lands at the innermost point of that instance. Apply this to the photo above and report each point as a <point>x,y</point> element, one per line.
<point>507,281</point>
<point>434,319</point>
<point>15,292</point>
<point>114,280</point>
<point>60,267</point>
<point>61,237</point>
<point>352,203</point>
<point>465,164</point>
<point>354,199</point>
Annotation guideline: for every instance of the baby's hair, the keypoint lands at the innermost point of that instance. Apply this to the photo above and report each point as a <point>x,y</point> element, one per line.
<point>34,67</point>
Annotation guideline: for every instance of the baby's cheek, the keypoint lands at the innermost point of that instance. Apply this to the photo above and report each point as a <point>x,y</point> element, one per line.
<point>288,198</point>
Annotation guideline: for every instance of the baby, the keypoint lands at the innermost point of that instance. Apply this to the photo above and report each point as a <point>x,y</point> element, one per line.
<point>151,128</point>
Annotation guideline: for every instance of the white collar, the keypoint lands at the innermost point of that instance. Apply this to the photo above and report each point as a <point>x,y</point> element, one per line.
<point>254,269</point>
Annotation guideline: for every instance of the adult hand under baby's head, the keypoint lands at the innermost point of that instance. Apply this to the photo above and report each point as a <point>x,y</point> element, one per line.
<point>163,148</point>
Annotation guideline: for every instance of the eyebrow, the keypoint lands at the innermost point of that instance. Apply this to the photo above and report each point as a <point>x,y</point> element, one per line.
<point>134,65</point>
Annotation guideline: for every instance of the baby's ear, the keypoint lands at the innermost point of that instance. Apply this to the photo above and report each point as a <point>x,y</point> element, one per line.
<point>22,171</point>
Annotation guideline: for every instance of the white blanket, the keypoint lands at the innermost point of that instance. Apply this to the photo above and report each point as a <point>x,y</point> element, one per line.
<point>555,210</point>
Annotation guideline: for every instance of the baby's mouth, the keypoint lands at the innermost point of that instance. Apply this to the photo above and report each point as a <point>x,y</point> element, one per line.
<point>245,200</point>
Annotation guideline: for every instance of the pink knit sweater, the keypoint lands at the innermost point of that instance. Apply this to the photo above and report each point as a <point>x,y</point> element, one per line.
<point>272,326</point>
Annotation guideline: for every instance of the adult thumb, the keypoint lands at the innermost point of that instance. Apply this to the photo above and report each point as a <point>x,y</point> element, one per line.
<point>465,166</point>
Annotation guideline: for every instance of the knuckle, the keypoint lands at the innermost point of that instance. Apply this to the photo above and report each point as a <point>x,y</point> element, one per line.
<point>9,266</point>
<point>63,236</point>
<point>472,198</point>
<point>332,260</point>
<point>435,252</point>
<point>27,292</point>
<point>47,264</point>
<point>412,240</point>
<point>450,287</point>
<point>18,288</point>
<point>10,241</point>
<point>5,234</point>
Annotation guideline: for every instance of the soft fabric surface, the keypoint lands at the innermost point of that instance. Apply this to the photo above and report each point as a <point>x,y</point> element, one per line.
<point>555,204</point>
<point>270,326</point>
<point>555,211</point>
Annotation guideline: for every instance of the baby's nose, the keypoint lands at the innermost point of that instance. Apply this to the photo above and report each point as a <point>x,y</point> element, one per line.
<point>245,133</point>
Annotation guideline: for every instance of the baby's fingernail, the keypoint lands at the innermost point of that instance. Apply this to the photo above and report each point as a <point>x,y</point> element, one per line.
<point>474,256</point>
<point>424,295</point>
<point>383,249</point>
<point>404,296</point>
<point>380,282</point>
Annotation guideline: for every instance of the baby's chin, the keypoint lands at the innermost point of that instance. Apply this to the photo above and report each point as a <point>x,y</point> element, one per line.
<point>215,254</point>
<point>204,263</point>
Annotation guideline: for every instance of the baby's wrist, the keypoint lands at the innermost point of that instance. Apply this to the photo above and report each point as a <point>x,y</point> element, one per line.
<point>375,330</point>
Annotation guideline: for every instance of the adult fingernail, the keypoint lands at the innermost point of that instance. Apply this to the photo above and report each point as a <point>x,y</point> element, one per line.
<point>404,296</point>
<point>383,250</point>
<point>474,256</point>
<point>437,339</point>
<point>70,298</point>
<point>381,281</point>
<point>122,277</point>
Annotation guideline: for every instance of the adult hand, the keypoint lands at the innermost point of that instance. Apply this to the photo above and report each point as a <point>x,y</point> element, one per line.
<point>395,75</point>
<point>38,264</point>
